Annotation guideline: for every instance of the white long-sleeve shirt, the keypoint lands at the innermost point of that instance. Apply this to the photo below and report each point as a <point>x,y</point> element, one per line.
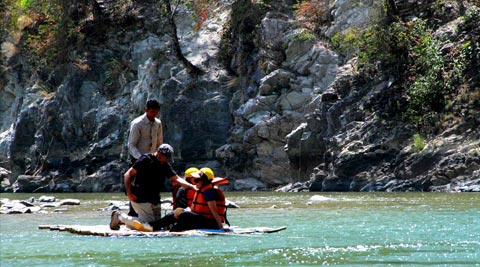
<point>145,136</point>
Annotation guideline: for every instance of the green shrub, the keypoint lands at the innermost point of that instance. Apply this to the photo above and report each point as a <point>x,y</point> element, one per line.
<point>305,36</point>
<point>427,78</point>
<point>433,77</point>
<point>115,76</point>
<point>347,43</point>
<point>375,47</point>
<point>25,4</point>
<point>419,143</point>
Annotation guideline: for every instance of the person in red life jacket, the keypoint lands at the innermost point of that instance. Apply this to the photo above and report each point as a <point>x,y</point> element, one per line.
<point>150,172</point>
<point>183,197</point>
<point>208,209</point>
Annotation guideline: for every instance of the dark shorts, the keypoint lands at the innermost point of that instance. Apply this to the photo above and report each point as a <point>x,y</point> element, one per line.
<point>190,220</point>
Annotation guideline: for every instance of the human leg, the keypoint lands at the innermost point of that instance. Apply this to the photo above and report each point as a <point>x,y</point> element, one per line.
<point>164,222</point>
<point>147,212</point>
<point>114,221</point>
<point>117,218</point>
<point>190,220</point>
<point>131,210</point>
<point>157,225</point>
<point>144,227</point>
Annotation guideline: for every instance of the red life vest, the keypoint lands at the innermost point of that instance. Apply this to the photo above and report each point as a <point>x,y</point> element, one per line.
<point>200,205</point>
<point>189,195</point>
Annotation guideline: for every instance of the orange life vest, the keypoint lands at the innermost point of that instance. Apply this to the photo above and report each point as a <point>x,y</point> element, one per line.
<point>200,205</point>
<point>190,196</point>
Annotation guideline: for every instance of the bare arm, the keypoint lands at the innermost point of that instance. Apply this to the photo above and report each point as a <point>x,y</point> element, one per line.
<point>127,180</point>
<point>213,208</point>
<point>182,182</point>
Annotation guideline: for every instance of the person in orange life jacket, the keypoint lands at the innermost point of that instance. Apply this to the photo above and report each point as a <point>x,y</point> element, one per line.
<point>150,172</point>
<point>145,136</point>
<point>208,209</point>
<point>183,197</point>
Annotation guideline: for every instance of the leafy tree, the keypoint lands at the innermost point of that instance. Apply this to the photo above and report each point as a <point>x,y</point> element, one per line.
<point>201,10</point>
<point>170,12</point>
<point>47,27</point>
<point>47,40</point>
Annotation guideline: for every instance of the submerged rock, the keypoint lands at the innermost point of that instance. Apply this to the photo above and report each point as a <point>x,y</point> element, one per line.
<point>69,202</point>
<point>47,199</point>
<point>30,206</point>
<point>17,207</point>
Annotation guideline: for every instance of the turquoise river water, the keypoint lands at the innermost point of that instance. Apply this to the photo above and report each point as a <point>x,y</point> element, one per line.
<point>341,229</point>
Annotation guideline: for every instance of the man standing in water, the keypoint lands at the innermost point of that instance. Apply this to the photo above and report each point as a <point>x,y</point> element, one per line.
<point>150,172</point>
<point>146,134</point>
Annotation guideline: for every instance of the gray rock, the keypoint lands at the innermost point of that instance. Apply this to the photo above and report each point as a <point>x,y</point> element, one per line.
<point>274,82</point>
<point>47,199</point>
<point>249,184</point>
<point>274,27</point>
<point>29,183</point>
<point>26,203</point>
<point>347,14</point>
<point>50,205</point>
<point>17,207</point>
<point>145,49</point>
<point>61,210</point>
<point>257,105</point>
<point>69,202</point>
<point>293,100</point>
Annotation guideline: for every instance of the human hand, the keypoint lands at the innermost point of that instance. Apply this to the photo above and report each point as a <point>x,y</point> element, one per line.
<point>177,212</point>
<point>131,197</point>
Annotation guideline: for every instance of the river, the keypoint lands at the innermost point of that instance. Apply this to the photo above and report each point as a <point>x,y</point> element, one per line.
<point>339,229</point>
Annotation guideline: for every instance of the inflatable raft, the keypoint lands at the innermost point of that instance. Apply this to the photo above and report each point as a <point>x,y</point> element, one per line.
<point>104,230</point>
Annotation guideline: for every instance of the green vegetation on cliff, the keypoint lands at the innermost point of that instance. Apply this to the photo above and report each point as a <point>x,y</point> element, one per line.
<point>435,76</point>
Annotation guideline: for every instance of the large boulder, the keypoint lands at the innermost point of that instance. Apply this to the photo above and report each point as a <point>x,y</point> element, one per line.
<point>5,180</point>
<point>147,48</point>
<point>29,183</point>
<point>274,82</point>
<point>349,14</point>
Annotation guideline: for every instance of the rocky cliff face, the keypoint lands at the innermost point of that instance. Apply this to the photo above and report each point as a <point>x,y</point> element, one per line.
<point>273,108</point>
